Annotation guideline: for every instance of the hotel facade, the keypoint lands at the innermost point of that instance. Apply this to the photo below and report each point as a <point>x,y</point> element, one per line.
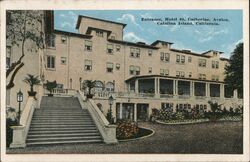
<point>139,76</point>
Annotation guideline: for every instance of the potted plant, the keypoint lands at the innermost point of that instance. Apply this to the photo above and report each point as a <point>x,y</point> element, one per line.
<point>31,80</point>
<point>50,86</point>
<point>89,84</point>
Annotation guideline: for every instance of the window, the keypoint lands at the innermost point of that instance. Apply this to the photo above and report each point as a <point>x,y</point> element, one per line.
<point>8,56</point>
<point>202,76</point>
<point>165,57</point>
<point>150,70</point>
<point>110,48</point>
<point>137,70</point>
<point>63,60</point>
<point>180,74</point>
<point>189,59</point>
<point>135,52</point>
<point>110,87</point>
<point>99,33</point>
<point>50,62</point>
<point>88,65</point>
<point>112,37</point>
<point>178,58</point>
<point>215,64</point>
<point>118,48</point>
<point>109,67</point>
<point>63,39</point>
<point>150,52</point>
<point>117,66</point>
<point>88,45</point>
<point>134,70</point>
<point>164,72</point>
<point>182,59</point>
<point>202,63</point>
<point>51,40</point>
<point>215,77</point>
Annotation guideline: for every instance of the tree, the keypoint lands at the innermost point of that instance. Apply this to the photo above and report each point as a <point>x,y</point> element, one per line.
<point>234,70</point>
<point>50,86</point>
<point>31,80</point>
<point>89,84</point>
<point>23,26</point>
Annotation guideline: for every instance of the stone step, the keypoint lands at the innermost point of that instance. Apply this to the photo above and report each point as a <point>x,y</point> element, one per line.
<point>38,132</point>
<point>61,119</point>
<point>62,123</point>
<point>63,128</point>
<point>62,138</point>
<point>60,116</point>
<point>64,142</point>
<point>63,135</point>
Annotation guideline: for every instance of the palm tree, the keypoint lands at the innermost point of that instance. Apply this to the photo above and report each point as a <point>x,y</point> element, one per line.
<point>89,84</point>
<point>32,81</point>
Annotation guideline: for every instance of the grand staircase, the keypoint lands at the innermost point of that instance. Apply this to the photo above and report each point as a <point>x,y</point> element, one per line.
<point>62,120</point>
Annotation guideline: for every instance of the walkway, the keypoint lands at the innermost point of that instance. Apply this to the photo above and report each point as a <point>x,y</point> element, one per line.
<point>206,138</point>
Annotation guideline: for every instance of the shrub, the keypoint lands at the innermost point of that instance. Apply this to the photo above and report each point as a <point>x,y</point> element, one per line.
<point>165,115</point>
<point>11,120</point>
<point>179,116</point>
<point>126,129</point>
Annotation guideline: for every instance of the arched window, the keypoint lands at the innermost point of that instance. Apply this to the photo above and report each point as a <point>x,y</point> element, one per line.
<point>98,86</point>
<point>110,87</point>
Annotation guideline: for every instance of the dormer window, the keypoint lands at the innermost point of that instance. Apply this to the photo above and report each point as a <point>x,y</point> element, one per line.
<point>112,37</point>
<point>99,33</point>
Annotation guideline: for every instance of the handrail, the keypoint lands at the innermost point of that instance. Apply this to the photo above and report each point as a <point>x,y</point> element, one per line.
<point>108,131</point>
<point>27,115</point>
<point>20,132</point>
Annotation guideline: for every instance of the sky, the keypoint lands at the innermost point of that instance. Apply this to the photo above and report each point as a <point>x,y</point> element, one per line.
<point>198,38</point>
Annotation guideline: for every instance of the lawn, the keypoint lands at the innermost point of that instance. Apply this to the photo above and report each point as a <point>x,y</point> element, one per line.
<point>203,138</point>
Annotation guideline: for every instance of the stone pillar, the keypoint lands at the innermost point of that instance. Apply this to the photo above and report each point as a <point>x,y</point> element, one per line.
<point>121,110</point>
<point>176,87</point>
<point>18,137</point>
<point>192,83</point>
<point>156,86</point>
<point>222,95</point>
<point>235,93</point>
<point>136,86</point>
<point>135,112</point>
<point>207,90</point>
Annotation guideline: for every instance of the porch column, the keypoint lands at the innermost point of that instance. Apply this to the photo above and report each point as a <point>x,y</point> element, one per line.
<point>121,107</point>
<point>222,91</point>
<point>156,86</point>
<point>235,93</point>
<point>175,87</point>
<point>207,90</point>
<point>136,86</point>
<point>135,112</point>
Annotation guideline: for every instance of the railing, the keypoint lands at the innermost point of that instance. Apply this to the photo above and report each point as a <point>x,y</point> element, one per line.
<point>61,92</point>
<point>107,130</point>
<point>200,97</point>
<point>20,132</point>
<point>184,96</point>
<point>166,96</point>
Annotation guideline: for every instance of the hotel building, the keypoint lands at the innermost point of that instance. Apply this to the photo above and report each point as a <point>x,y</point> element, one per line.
<point>139,76</point>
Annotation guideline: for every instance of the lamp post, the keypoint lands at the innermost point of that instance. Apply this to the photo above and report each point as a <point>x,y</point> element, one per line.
<point>111,101</point>
<point>80,80</point>
<point>19,100</point>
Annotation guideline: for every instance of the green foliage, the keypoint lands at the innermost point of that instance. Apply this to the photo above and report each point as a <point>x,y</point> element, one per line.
<point>23,26</point>
<point>89,84</point>
<point>234,70</point>
<point>50,86</point>
<point>31,80</point>
<point>126,129</point>
<point>11,120</point>
<point>179,116</point>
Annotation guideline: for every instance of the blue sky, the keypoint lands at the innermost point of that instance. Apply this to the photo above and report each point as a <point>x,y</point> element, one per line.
<point>198,38</point>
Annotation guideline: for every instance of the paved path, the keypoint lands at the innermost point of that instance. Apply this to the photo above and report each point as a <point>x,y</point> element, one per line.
<point>206,138</point>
